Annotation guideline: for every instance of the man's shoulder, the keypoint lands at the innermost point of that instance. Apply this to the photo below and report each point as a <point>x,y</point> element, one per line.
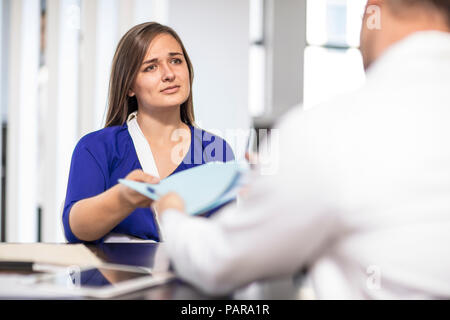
<point>329,113</point>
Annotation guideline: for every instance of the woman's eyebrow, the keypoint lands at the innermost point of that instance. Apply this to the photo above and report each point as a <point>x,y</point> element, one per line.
<point>150,61</point>
<point>171,54</point>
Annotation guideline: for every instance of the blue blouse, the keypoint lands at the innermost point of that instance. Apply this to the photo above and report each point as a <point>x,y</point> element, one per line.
<point>102,157</point>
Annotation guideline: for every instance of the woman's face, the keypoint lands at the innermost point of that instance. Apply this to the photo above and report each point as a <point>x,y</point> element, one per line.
<point>163,79</point>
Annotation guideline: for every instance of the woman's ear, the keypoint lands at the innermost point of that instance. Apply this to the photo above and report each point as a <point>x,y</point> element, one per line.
<point>131,93</point>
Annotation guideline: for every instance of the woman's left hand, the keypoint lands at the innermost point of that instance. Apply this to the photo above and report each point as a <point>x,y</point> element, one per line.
<point>169,201</point>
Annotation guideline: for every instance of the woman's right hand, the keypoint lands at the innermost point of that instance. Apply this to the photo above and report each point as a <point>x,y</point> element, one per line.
<point>134,199</point>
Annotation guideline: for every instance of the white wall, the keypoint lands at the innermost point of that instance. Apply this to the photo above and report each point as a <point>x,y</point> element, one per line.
<point>60,111</point>
<point>87,122</point>
<point>216,37</point>
<point>21,202</point>
<point>107,39</point>
<point>151,10</point>
<point>4,36</point>
<point>286,42</point>
<point>2,71</point>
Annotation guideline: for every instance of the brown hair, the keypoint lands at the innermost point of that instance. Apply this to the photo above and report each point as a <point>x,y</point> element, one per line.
<point>444,6</point>
<point>127,61</point>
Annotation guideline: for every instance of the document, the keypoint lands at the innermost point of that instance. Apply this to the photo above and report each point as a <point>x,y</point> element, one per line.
<point>203,188</point>
<point>21,287</point>
<point>49,254</point>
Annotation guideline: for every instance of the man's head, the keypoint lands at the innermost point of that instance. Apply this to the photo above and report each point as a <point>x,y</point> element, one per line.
<point>388,21</point>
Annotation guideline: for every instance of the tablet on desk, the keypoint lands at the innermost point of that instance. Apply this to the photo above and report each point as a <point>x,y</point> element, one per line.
<point>105,281</point>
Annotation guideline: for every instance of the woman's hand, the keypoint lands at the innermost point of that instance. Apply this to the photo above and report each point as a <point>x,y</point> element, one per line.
<point>168,201</point>
<point>134,199</point>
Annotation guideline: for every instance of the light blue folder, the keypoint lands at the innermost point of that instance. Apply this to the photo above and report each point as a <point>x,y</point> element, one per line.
<point>202,188</point>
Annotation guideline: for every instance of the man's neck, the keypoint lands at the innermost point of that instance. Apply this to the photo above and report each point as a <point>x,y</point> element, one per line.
<point>396,30</point>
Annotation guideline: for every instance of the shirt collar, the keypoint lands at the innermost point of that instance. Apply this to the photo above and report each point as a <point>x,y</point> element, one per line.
<point>419,46</point>
<point>132,116</point>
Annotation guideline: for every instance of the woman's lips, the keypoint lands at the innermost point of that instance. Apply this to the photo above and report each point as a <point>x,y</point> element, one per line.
<point>171,90</point>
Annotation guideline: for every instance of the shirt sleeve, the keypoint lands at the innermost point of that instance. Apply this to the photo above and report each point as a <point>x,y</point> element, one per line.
<point>280,225</point>
<point>86,180</point>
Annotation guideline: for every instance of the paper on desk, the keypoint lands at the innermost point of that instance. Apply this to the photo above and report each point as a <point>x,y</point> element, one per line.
<point>18,287</point>
<point>53,254</point>
<point>202,188</point>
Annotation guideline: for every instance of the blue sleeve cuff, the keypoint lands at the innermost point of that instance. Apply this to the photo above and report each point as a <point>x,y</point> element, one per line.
<point>70,236</point>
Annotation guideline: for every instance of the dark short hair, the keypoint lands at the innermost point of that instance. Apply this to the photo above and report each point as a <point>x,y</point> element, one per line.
<point>440,5</point>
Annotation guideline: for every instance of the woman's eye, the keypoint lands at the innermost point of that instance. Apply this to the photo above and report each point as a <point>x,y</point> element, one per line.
<point>150,68</point>
<point>176,61</point>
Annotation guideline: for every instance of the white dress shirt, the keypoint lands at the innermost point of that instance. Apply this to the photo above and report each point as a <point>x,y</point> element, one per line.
<point>361,195</point>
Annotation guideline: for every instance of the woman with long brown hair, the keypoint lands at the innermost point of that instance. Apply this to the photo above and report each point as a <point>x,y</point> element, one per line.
<point>149,134</point>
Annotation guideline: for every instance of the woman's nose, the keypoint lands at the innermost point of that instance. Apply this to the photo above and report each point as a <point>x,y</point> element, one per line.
<point>168,74</point>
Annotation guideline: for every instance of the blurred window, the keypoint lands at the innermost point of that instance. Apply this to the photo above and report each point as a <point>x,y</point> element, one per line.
<point>333,62</point>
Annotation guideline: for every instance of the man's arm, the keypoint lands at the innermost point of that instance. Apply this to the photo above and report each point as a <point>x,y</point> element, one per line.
<point>280,225</point>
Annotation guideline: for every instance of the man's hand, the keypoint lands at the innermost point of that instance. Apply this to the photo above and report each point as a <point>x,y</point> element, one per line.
<point>252,159</point>
<point>169,201</point>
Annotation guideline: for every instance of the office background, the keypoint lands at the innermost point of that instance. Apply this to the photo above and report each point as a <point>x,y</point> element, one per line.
<point>253,61</point>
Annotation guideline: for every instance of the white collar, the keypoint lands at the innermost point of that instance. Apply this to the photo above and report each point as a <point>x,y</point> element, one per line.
<point>143,150</point>
<point>411,52</point>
